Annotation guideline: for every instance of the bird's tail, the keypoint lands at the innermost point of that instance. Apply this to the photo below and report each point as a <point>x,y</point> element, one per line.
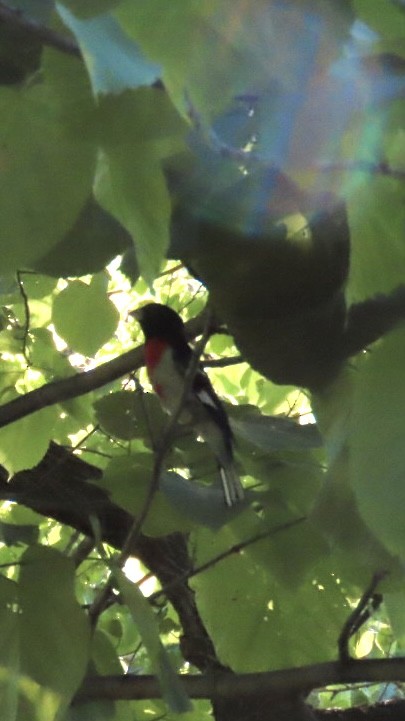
<point>233,489</point>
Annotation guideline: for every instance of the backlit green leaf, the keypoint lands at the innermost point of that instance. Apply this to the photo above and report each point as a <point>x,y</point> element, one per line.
<point>84,316</point>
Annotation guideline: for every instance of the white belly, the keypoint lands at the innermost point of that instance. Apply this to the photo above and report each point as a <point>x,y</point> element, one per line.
<point>168,385</point>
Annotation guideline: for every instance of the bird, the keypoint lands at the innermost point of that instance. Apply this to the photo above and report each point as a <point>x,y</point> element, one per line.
<point>167,357</point>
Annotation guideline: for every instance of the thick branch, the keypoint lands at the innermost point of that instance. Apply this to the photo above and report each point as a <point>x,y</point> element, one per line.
<point>82,383</point>
<point>72,387</point>
<point>282,684</point>
<point>58,488</point>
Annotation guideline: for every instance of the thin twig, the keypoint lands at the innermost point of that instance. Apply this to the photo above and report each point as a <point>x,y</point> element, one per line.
<point>101,602</point>
<point>104,596</point>
<point>359,616</point>
<point>169,271</point>
<point>16,19</point>
<point>82,551</point>
<point>26,315</point>
<point>167,438</point>
<point>236,548</point>
<point>223,362</point>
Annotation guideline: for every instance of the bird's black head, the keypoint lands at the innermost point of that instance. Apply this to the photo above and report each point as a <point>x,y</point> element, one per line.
<point>159,321</point>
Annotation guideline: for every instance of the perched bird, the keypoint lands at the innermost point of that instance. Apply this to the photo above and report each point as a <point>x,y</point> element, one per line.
<point>167,357</point>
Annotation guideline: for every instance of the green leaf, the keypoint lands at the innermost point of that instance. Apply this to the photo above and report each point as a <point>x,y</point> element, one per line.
<point>357,550</point>
<point>382,16</point>
<point>44,355</point>
<point>31,435</point>
<point>134,191</point>
<point>273,433</point>
<point>395,604</point>
<point>55,631</point>
<point>137,131</point>
<point>170,32</point>
<point>199,503</point>
<point>8,622</point>
<point>104,655</point>
<point>128,415</point>
<point>144,618</point>
<point>377,218</point>
<point>127,479</point>
<point>276,627</point>
<point>93,241</point>
<point>37,286</point>
<point>9,649</point>
<point>84,316</point>
<point>113,60</point>
<point>117,414</point>
<point>36,211</point>
<point>377,449</point>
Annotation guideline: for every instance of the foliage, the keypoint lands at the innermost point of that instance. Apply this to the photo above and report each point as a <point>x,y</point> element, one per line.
<point>92,143</point>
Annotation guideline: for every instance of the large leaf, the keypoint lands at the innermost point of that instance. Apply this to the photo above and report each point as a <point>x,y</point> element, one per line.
<point>55,632</point>
<point>168,33</point>
<point>137,131</point>
<point>9,652</point>
<point>31,436</point>
<point>113,60</point>
<point>127,479</point>
<point>256,623</point>
<point>385,17</point>
<point>357,550</point>
<point>228,45</point>
<point>84,316</point>
<point>199,503</point>
<point>377,219</point>
<point>116,414</point>
<point>377,442</point>
<point>128,415</point>
<point>46,173</point>
<point>273,433</point>
<point>143,616</point>
<point>90,244</point>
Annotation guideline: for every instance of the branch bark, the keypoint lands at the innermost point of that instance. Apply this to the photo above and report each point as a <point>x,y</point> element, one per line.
<point>82,383</point>
<point>46,36</point>
<point>58,487</point>
<point>280,685</point>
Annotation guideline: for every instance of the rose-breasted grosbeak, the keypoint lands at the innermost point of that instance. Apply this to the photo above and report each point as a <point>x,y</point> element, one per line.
<point>167,357</point>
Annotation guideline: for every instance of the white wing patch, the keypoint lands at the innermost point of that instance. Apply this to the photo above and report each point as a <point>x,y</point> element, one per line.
<point>206,399</point>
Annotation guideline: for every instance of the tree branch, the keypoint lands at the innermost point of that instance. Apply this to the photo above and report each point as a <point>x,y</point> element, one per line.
<point>16,19</point>
<point>58,488</point>
<point>82,383</point>
<point>236,548</point>
<point>160,455</point>
<point>282,684</point>
<point>223,362</point>
<point>168,434</point>
<point>359,616</point>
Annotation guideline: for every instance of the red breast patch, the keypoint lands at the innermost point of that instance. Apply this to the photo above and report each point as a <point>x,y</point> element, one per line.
<point>154,348</point>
